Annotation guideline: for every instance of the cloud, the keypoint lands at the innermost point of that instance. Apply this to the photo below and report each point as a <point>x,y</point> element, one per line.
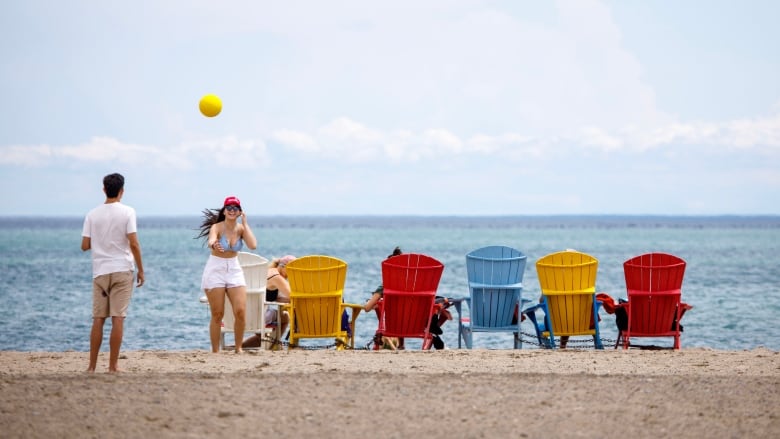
<point>759,134</point>
<point>224,152</point>
<point>227,152</point>
<point>347,140</point>
<point>25,156</point>
<point>296,140</point>
<point>356,142</point>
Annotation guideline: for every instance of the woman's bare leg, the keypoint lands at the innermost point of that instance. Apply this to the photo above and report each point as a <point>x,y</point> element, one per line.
<point>216,298</point>
<point>237,297</point>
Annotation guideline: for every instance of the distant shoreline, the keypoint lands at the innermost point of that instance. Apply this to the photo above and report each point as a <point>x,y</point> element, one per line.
<point>565,221</point>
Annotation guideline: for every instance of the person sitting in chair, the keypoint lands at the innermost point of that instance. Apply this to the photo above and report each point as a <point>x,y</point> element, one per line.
<point>277,289</point>
<point>441,316</point>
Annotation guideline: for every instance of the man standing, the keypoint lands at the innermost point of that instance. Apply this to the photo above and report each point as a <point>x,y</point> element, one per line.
<point>110,232</point>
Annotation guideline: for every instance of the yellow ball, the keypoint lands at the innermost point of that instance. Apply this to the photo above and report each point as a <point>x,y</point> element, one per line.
<point>210,105</point>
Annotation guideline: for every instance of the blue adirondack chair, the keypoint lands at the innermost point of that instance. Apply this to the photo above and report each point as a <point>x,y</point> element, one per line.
<point>495,276</point>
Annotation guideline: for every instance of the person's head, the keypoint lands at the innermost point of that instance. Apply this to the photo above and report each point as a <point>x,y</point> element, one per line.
<point>281,264</point>
<point>113,184</point>
<point>396,251</point>
<point>232,205</point>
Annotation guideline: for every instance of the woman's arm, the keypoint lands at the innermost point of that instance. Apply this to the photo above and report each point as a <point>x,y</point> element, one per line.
<point>281,284</point>
<point>371,303</point>
<point>248,236</point>
<point>214,238</point>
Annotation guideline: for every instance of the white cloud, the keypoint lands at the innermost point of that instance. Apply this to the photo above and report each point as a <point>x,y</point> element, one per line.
<point>758,132</point>
<point>344,139</point>
<point>594,136</point>
<point>107,149</point>
<point>226,152</point>
<point>296,140</point>
<point>26,156</point>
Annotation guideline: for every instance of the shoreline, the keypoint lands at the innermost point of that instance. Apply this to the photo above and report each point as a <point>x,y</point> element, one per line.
<point>686,361</point>
<point>692,392</point>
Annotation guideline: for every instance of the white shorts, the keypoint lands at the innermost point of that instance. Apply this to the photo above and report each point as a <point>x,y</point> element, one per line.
<point>222,273</point>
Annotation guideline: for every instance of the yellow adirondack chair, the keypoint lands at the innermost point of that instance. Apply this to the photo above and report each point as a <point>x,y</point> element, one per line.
<point>316,291</point>
<point>568,283</point>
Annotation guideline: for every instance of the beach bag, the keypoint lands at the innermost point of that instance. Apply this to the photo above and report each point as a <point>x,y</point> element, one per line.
<point>345,323</point>
<point>621,316</point>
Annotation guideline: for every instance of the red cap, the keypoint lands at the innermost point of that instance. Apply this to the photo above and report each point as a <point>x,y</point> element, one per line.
<point>232,201</point>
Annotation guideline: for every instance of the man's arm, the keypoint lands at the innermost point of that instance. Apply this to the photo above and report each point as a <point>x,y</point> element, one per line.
<point>135,248</point>
<point>86,243</point>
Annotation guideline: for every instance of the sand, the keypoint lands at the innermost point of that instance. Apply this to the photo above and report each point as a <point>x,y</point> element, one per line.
<point>408,394</point>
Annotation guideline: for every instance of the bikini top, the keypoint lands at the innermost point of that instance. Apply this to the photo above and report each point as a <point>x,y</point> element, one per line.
<point>271,295</point>
<point>226,245</point>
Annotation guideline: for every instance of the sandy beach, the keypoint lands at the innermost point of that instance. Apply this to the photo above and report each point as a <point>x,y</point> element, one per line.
<point>449,394</point>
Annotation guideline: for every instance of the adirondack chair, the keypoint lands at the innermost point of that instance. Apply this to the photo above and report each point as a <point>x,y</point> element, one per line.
<point>568,283</point>
<point>316,306</point>
<point>495,276</point>
<point>410,282</point>
<point>654,309</point>
<point>255,268</point>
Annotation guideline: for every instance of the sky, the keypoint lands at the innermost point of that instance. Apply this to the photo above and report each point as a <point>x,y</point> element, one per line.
<point>451,107</point>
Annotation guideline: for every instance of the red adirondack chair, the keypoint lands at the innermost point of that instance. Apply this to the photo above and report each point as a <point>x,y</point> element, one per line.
<point>654,309</point>
<point>410,282</point>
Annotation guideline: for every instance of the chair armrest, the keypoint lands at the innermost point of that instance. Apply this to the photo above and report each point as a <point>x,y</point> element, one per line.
<point>533,309</point>
<point>356,309</point>
<point>458,303</point>
<point>539,327</point>
<point>683,307</point>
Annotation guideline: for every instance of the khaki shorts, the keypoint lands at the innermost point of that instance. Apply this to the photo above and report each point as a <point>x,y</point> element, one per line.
<point>111,294</point>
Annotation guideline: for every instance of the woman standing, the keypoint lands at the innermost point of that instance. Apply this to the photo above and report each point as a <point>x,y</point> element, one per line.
<point>223,275</point>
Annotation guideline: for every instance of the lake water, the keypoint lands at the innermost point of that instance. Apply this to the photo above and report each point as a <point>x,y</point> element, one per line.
<point>731,277</point>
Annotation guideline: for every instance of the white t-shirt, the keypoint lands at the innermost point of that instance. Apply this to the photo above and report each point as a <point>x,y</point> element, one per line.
<point>107,226</point>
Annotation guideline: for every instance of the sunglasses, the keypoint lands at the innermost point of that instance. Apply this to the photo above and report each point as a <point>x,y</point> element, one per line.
<point>232,208</point>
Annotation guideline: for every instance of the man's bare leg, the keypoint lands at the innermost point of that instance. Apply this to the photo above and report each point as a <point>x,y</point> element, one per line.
<point>115,343</point>
<point>95,340</point>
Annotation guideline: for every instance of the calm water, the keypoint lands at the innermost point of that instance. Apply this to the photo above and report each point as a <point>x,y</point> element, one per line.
<point>731,278</point>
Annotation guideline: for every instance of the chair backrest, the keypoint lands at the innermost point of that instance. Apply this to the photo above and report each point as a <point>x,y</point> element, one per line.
<point>316,290</point>
<point>568,283</point>
<point>495,276</point>
<point>410,282</point>
<point>255,269</point>
<point>654,282</point>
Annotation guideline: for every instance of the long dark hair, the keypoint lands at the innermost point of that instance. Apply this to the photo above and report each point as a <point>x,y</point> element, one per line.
<point>210,217</point>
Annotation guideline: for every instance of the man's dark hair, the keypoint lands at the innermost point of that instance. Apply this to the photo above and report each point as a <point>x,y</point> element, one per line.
<point>113,183</point>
